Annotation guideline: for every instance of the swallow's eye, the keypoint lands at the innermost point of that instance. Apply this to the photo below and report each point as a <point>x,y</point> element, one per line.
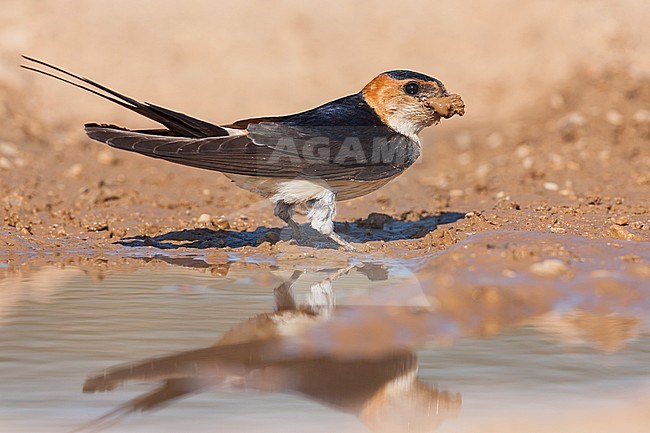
<point>412,88</point>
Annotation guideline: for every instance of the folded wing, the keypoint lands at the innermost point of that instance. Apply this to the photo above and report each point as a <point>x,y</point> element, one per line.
<point>277,150</point>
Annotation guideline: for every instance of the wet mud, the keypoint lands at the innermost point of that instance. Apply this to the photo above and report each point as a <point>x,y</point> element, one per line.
<point>448,106</point>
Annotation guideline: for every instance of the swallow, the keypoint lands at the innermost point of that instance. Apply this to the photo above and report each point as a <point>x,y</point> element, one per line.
<point>343,149</point>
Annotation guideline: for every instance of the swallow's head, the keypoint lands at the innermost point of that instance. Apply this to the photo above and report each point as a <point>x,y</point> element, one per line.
<point>409,101</point>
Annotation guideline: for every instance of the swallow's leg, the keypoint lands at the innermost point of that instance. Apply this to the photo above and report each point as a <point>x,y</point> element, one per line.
<point>321,218</point>
<point>284,211</point>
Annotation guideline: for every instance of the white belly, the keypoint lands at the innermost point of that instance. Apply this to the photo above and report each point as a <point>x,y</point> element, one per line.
<point>303,190</point>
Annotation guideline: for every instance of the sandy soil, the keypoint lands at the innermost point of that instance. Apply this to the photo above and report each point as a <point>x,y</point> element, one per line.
<point>560,148</point>
<point>578,166</point>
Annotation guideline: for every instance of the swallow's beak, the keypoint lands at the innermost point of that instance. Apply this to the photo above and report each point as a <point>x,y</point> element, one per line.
<point>447,106</point>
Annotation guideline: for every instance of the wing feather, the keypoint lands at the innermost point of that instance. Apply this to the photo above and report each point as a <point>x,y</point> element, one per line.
<point>276,150</point>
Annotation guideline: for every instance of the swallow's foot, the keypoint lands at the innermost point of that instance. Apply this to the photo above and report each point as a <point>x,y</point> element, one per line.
<point>321,218</point>
<point>301,236</point>
<point>342,242</point>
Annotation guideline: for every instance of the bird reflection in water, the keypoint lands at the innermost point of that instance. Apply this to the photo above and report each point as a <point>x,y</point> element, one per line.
<point>382,390</point>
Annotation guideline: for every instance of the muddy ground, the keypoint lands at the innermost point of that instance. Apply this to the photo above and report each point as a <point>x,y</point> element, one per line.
<point>556,138</point>
<point>575,162</point>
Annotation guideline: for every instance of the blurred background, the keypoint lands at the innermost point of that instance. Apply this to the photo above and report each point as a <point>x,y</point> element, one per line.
<point>228,60</point>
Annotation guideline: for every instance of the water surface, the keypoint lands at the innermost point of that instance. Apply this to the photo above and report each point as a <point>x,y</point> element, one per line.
<point>370,346</point>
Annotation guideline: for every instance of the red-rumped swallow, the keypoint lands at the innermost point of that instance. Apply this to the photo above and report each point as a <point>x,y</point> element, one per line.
<point>340,150</point>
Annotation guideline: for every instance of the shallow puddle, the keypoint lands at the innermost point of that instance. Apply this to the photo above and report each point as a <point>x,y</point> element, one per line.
<point>503,332</point>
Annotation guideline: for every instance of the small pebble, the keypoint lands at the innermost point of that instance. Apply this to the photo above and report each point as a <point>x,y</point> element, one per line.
<point>455,193</point>
<point>618,232</point>
<point>97,226</point>
<point>527,163</point>
<point>483,170</point>
<point>494,140</point>
<point>567,193</point>
<point>522,151</point>
<point>549,268</point>
<point>551,186</point>
<point>106,157</point>
<point>5,164</point>
<point>221,223</point>
<point>614,118</point>
<point>621,221</point>
<point>74,171</point>
<point>8,149</point>
<point>574,119</point>
<point>641,116</point>
<point>205,218</point>
<point>570,124</point>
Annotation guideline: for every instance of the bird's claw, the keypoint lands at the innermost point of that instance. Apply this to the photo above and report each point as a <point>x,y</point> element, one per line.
<point>342,242</point>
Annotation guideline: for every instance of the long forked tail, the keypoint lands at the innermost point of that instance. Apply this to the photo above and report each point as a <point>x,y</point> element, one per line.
<point>179,124</point>
<point>170,390</point>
